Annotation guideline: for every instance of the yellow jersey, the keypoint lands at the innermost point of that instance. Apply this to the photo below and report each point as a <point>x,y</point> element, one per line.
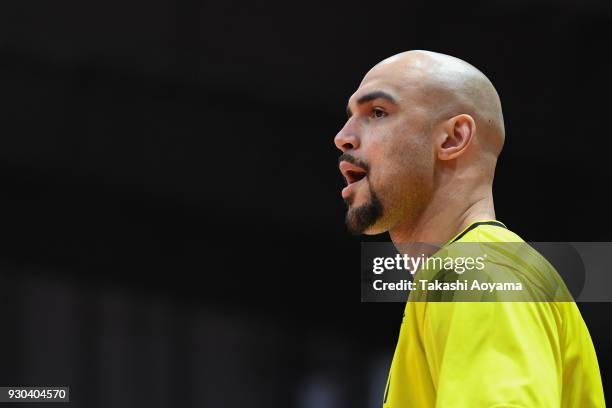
<point>493,353</point>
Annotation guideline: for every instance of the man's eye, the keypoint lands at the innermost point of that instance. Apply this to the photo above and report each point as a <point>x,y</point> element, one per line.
<point>378,113</point>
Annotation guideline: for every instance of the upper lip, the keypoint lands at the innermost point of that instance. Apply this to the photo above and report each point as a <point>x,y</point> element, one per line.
<point>351,172</point>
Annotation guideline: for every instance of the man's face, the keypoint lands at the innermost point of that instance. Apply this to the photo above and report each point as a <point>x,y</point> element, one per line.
<point>387,156</point>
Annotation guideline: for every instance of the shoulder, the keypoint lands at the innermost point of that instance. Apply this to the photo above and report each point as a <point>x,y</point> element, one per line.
<point>508,258</point>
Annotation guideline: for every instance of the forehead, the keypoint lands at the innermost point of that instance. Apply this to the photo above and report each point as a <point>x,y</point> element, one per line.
<point>399,80</point>
<point>373,88</point>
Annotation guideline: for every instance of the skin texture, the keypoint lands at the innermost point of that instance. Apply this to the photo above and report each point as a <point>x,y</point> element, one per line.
<point>429,154</point>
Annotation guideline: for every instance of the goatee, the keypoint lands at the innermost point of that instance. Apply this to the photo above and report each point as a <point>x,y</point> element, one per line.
<point>363,217</point>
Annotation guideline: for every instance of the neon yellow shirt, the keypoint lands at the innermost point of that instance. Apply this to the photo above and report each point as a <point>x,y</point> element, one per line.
<point>493,354</point>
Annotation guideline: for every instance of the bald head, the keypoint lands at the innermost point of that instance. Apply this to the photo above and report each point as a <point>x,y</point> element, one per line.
<point>447,86</point>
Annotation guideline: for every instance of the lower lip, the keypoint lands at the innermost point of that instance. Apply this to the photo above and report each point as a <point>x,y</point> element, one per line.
<point>346,191</point>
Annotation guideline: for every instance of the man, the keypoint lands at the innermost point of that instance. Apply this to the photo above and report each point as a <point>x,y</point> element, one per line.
<point>419,151</point>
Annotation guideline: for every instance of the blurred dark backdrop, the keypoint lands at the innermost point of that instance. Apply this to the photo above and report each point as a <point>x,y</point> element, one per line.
<point>172,228</point>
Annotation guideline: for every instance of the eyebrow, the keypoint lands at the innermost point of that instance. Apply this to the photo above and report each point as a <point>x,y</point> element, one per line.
<point>370,97</point>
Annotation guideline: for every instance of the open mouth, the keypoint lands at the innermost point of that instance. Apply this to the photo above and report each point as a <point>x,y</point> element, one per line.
<point>351,172</point>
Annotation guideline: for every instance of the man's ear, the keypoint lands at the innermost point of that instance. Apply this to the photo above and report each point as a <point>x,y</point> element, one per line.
<point>456,135</point>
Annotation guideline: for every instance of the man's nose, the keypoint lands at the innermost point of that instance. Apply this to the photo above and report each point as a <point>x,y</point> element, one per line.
<point>346,139</point>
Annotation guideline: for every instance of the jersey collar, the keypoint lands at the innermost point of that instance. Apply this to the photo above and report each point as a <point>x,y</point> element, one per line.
<point>475,225</point>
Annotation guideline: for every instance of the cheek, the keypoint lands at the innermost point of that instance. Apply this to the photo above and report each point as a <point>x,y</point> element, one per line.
<point>403,165</point>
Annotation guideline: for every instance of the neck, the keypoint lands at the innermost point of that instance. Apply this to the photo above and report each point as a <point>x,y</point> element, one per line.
<point>445,217</point>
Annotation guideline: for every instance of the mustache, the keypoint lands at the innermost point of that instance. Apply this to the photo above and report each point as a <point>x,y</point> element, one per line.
<point>353,160</point>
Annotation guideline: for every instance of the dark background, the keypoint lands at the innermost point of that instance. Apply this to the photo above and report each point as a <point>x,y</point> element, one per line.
<point>172,230</point>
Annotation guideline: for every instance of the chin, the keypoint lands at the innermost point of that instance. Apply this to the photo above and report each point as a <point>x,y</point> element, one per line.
<point>365,219</point>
